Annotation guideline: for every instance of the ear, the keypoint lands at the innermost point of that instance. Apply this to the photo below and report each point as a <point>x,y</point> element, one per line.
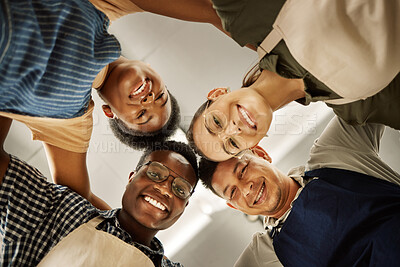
<point>107,111</point>
<point>231,206</point>
<point>217,92</point>
<point>260,152</point>
<point>131,176</point>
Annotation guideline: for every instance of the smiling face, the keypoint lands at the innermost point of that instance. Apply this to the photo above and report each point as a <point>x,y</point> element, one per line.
<point>136,94</point>
<point>154,205</point>
<point>233,122</point>
<point>252,185</point>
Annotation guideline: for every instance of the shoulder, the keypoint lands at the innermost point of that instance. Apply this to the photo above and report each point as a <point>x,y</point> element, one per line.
<point>260,252</point>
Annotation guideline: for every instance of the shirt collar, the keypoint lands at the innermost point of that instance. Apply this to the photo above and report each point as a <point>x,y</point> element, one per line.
<point>272,224</point>
<point>111,217</point>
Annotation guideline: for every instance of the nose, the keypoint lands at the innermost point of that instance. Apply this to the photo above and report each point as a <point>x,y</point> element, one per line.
<point>232,129</point>
<point>148,99</point>
<point>164,188</point>
<point>247,188</point>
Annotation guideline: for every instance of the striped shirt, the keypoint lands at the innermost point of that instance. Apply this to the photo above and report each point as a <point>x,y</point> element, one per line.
<point>35,215</point>
<point>51,51</point>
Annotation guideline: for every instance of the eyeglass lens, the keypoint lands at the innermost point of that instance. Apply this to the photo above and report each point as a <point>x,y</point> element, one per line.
<point>159,173</point>
<point>216,122</point>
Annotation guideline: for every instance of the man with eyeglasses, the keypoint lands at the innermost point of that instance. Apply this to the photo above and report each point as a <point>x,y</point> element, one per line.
<point>342,209</point>
<point>46,224</point>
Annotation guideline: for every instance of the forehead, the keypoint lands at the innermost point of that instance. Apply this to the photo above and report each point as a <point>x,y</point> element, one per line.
<point>176,162</point>
<point>225,174</point>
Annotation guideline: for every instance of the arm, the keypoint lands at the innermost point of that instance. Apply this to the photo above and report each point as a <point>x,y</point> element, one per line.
<point>351,147</point>
<point>69,169</point>
<point>5,124</point>
<point>189,10</point>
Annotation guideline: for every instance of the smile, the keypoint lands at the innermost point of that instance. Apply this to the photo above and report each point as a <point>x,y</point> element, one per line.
<point>155,203</point>
<point>259,194</point>
<point>143,88</point>
<point>246,117</point>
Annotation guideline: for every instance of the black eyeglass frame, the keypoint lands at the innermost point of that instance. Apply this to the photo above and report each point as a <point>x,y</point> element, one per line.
<point>169,174</point>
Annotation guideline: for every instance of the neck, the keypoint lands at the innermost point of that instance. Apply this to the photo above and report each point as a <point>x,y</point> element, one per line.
<point>101,77</point>
<point>138,232</point>
<point>278,91</point>
<point>291,194</point>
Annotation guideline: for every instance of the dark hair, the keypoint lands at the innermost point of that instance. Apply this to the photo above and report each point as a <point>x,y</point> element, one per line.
<point>141,140</point>
<point>189,133</point>
<point>251,76</point>
<point>178,147</point>
<point>206,171</point>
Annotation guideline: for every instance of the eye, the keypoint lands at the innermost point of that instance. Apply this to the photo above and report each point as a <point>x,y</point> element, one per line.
<point>160,96</point>
<point>180,190</point>
<point>233,143</point>
<point>243,171</point>
<point>141,114</point>
<point>217,122</point>
<point>153,175</point>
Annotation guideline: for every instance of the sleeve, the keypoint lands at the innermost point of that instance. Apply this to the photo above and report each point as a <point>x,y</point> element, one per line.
<point>228,11</point>
<point>23,199</point>
<point>260,252</point>
<point>69,134</point>
<point>351,147</point>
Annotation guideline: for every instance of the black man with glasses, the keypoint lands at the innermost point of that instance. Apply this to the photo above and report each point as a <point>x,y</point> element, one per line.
<point>44,224</point>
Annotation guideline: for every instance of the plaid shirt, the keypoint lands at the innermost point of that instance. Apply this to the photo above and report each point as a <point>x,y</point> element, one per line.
<point>36,215</point>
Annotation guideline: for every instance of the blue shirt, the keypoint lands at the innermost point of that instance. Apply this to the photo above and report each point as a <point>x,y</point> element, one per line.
<point>50,53</point>
<point>35,215</point>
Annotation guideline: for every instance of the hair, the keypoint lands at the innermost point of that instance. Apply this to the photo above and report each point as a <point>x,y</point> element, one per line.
<point>189,133</point>
<point>141,140</point>
<point>251,76</point>
<point>206,171</point>
<point>178,147</point>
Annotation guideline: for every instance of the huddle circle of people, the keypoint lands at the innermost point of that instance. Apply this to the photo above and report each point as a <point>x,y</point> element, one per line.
<point>342,208</point>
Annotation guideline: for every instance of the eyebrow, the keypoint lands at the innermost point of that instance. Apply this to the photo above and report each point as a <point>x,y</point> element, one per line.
<point>166,100</point>
<point>234,171</point>
<point>236,166</point>
<point>214,134</point>
<point>141,123</point>
<point>224,192</point>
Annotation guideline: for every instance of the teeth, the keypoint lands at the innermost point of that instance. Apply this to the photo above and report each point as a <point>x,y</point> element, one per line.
<point>247,118</point>
<point>260,194</point>
<point>140,89</point>
<point>155,203</point>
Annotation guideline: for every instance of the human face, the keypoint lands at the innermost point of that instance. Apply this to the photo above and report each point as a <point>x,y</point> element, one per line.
<point>252,185</point>
<point>137,95</point>
<point>242,119</point>
<point>154,204</point>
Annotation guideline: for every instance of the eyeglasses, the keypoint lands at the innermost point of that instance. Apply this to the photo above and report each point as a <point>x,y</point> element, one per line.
<point>216,122</point>
<point>158,173</point>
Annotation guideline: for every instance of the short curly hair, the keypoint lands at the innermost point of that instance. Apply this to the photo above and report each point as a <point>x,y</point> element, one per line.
<point>142,140</point>
<point>207,169</point>
<point>175,146</point>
